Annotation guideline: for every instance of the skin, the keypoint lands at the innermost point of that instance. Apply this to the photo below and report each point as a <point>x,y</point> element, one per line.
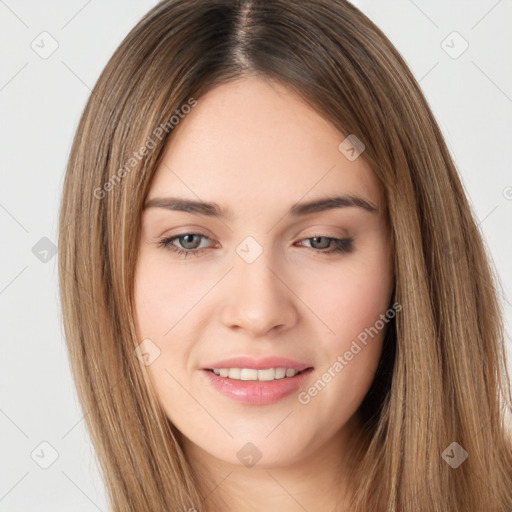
<point>255,147</point>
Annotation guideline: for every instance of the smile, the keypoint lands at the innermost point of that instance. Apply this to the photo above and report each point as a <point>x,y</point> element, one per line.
<point>254,374</point>
<point>248,387</point>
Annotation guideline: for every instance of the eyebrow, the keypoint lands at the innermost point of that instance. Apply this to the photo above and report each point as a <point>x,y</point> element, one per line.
<point>211,209</point>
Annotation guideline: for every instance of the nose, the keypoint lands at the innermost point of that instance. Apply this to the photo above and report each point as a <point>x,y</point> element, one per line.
<point>259,300</point>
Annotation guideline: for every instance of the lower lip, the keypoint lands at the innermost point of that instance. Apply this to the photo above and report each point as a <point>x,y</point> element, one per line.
<point>257,392</point>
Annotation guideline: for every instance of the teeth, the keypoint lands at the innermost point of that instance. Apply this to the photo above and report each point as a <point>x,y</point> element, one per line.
<point>253,374</point>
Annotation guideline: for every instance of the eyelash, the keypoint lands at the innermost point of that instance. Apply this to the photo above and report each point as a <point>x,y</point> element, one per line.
<point>340,245</point>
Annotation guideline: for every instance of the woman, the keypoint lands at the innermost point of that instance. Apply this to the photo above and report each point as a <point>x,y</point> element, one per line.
<point>274,291</point>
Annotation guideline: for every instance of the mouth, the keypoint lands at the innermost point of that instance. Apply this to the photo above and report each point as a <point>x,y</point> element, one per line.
<point>252,386</point>
<point>253,374</point>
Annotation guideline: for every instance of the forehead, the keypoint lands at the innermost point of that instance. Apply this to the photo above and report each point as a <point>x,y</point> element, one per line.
<point>252,140</point>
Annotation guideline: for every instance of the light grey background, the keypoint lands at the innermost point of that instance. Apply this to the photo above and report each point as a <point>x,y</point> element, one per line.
<point>41,100</point>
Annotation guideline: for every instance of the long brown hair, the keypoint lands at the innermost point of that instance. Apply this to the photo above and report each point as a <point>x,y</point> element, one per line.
<point>442,378</point>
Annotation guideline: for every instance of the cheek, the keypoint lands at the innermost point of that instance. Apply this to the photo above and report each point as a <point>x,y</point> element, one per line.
<point>165,299</point>
<point>341,385</point>
<point>158,309</point>
<point>355,309</point>
<point>164,295</point>
<point>352,298</point>
<point>353,304</point>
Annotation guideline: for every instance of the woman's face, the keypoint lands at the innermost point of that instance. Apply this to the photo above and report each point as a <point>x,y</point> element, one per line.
<point>269,282</point>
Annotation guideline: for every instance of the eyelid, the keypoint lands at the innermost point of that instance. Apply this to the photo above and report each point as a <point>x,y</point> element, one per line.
<point>189,229</point>
<point>328,230</point>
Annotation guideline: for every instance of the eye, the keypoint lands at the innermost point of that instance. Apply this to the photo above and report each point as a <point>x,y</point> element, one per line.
<point>191,244</point>
<point>338,245</point>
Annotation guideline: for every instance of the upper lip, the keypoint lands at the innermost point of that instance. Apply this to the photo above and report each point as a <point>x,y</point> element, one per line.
<point>257,364</point>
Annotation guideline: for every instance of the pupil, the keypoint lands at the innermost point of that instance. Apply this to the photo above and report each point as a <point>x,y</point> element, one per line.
<point>187,239</point>
<point>319,238</point>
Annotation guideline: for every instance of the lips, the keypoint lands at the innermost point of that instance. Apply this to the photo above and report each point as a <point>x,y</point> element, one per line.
<point>257,392</point>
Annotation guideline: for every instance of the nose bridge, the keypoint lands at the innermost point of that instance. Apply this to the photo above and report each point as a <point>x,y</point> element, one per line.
<point>259,276</point>
<point>259,300</point>
<point>257,279</point>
